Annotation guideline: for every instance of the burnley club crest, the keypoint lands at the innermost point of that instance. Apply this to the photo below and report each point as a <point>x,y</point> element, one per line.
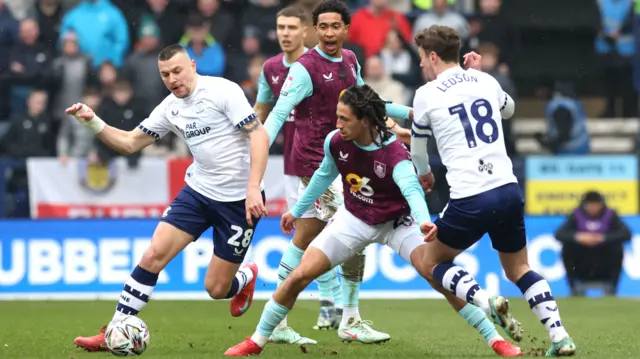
<point>380,169</point>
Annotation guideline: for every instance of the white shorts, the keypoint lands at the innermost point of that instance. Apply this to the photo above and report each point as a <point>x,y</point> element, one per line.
<point>346,236</point>
<point>325,207</point>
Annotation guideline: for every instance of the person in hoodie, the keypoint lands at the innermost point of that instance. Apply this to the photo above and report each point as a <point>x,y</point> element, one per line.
<point>203,47</point>
<point>593,238</point>
<point>102,31</point>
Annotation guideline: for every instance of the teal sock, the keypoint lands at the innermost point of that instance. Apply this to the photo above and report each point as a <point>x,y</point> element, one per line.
<point>336,292</point>
<point>476,318</point>
<point>326,283</point>
<point>272,315</point>
<point>290,260</point>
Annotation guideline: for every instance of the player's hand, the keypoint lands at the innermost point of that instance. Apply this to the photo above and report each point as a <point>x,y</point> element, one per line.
<point>81,112</point>
<point>472,60</point>
<point>254,204</point>
<point>430,230</point>
<point>427,181</point>
<point>287,223</point>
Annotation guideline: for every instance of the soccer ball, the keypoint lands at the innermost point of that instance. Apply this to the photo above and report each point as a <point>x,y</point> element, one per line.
<point>127,336</point>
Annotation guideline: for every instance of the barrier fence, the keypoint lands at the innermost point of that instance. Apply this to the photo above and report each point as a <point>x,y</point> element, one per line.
<point>91,259</point>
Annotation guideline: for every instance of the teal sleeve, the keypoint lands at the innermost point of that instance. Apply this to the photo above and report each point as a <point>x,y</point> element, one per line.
<point>296,88</point>
<point>405,177</point>
<point>393,110</point>
<point>264,91</point>
<point>398,111</point>
<point>322,178</point>
<point>359,80</point>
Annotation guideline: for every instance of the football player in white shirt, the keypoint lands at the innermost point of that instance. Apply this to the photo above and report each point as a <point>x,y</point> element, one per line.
<point>463,110</point>
<point>223,190</point>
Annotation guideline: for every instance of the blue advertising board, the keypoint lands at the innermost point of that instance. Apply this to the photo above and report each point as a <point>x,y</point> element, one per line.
<point>91,259</point>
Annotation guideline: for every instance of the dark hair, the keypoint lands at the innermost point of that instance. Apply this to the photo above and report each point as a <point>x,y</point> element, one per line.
<point>593,196</point>
<point>367,105</point>
<point>170,51</point>
<point>195,20</point>
<point>332,6</point>
<point>442,40</point>
<point>293,11</point>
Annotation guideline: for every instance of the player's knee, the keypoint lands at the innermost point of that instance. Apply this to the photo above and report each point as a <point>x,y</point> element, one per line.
<point>217,290</point>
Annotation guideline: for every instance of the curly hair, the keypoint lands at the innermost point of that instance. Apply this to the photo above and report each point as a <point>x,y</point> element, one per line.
<point>335,6</point>
<point>367,105</point>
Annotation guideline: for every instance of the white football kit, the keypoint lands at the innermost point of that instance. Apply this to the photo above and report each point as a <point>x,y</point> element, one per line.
<point>209,121</point>
<point>462,109</point>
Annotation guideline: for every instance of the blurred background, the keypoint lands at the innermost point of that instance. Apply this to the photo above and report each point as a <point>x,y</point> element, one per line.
<point>72,211</point>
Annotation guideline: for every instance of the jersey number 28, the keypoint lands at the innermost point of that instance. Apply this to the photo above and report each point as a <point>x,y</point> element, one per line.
<point>481,120</point>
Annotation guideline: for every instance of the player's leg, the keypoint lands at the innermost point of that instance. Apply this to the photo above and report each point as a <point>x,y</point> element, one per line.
<point>404,238</point>
<point>232,236</point>
<point>182,222</point>
<point>463,223</point>
<point>326,251</point>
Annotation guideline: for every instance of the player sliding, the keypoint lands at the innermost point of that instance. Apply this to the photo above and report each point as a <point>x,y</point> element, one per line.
<point>224,184</point>
<point>381,192</point>
<point>463,109</point>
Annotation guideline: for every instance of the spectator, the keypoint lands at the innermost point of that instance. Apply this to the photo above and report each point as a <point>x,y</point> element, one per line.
<point>29,133</point>
<point>566,123</point>
<point>48,15</point>
<point>141,68</point>
<point>442,15</point>
<point>122,111</point>
<point>168,19</point>
<point>222,23</point>
<point>376,77</point>
<point>615,46</point>
<point>260,20</point>
<point>74,138</point>
<point>71,72</point>
<point>490,55</point>
<point>107,76</point>
<point>250,86</point>
<point>8,39</point>
<point>203,48</point>
<point>29,61</point>
<point>370,25</point>
<point>593,240</point>
<point>401,63</point>
<point>102,31</point>
<point>239,60</point>
<point>491,26</point>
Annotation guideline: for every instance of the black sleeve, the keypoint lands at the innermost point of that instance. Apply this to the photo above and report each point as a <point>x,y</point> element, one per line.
<point>567,232</point>
<point>618,231</point>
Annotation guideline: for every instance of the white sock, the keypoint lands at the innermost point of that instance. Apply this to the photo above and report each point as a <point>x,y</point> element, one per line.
<point>136,293</point>
<point>350,312</point>
<point>466,288</point>
<point>538,293</point>
<point>259,339</point>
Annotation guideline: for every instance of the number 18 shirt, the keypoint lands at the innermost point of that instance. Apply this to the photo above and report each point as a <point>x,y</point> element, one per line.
<point>461,109</point>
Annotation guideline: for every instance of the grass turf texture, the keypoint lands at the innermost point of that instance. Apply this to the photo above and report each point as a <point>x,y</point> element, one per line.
<point>601,328</point>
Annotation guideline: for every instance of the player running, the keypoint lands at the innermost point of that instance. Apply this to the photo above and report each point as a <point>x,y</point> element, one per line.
<point>291,31</point>
<point>463,109</point>
<point>312,87</point>
<point>223,188</point>
<point>381,191</point>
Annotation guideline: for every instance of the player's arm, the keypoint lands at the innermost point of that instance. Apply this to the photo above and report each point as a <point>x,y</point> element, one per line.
<point>405,177</point>
<point>264,99</point>
<point>420,134</point>
<point>239,111</point>
<point>124,142</point>
<point>322,178</point>
<point>393,110</point>
<point>296,88</point>
<point>402,134</point>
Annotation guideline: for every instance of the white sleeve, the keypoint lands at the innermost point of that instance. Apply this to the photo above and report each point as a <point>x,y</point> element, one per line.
<point>236,106</point>
<point>157,124</point>
<point>420,134</point>
<point>507,105</point>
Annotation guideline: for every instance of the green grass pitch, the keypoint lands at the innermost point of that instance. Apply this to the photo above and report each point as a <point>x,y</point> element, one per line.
<point>602,328</point>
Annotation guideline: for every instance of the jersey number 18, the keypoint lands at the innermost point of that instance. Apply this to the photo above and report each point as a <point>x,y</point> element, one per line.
<point>481,120</point>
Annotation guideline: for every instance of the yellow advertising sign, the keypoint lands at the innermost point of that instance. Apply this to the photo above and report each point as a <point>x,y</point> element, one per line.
<point>562,197</point>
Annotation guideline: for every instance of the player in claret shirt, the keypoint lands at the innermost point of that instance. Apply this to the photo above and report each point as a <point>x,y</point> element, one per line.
<point>381,191</point>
